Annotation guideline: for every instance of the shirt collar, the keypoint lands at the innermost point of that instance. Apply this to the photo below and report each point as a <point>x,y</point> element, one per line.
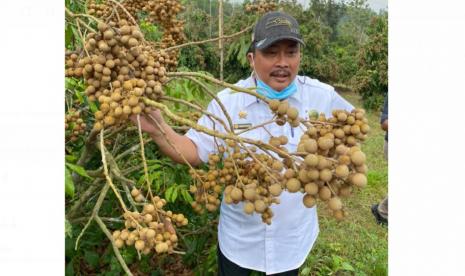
<point>249,99</point>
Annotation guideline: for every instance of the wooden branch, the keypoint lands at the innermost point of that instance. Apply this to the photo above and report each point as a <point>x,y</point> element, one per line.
<point>216,81</point>
<point>115,249</point>
<point>97,206</point>
<point>209,40</point>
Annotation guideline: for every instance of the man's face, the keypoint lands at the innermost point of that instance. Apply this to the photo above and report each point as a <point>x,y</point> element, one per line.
<point>278,64</point>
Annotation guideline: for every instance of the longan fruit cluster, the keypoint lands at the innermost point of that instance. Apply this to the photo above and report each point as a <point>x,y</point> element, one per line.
<point>332,160</point>
<point>119,71</point>
<point>71,64</point>
<point>261,6</point>
<point>163,12</point>
<point>74,125</point>
<point>256,182</point>
<point>149,230</point>
<point>285,113</point>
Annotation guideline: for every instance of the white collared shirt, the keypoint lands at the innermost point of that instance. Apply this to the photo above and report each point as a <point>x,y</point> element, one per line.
<point>245,239</point>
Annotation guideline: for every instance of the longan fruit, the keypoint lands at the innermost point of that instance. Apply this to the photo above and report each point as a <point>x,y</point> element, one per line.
<point>358,158</point>
<point>275,189</point>
<point>290,173</point>
<point>311,188</point>
<point>109,120</point>
<point>311,160</point>
<point>341,117</point>
<point>277,165</point>
<point>150,234</point>
<point>140,244</point>
<point>260,206</point>
<point>132,42</point>
<point>249,207</point>
<point>324,193</point>
<point>127,110</point>
<point>345,190</point>
<point>342,171</point>
<point>161,247</point>
<point>341,149</point>
<point>119,243</point>
<point>274,104</point>
<point>310,145</point>
<point>359,179</point>
<point>98,126</point>
<point>292,113</point>
<point>136,110</point>
<point>293,185</point>
<point>116,234</point>
<point>282,108</point>
<point>236,194</point>
<point>362,169</point>
<point>249,194</point>
<point>335,204</point>
<point>326,175</point>
<point>325,143</point>
<point>309,201</point>
<point>313,174</point>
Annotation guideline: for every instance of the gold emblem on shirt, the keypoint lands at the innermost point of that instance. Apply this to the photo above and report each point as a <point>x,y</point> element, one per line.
<point>243,114</point>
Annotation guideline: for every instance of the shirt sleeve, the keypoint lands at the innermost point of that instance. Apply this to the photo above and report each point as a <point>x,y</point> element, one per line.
<point>338,102</point>
<point>205,143</point>
<point>384,113</point>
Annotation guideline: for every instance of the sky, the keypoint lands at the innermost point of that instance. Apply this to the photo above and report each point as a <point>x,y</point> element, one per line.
<point>376,5</point>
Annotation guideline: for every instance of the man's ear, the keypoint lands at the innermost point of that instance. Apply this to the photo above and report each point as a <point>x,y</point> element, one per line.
<point>250,59</point>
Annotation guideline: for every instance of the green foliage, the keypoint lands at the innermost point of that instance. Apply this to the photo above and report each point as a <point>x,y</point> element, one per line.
<point>372,79</point>
<point>69,185</point>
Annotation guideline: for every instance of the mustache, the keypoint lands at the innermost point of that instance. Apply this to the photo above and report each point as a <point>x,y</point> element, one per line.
<point>280,72</point>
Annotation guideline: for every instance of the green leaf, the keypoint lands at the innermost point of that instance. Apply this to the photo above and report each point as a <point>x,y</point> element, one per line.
<point>305,271</point>
<point>187,197</point>
<point>68,229</point>
<point>92,106</point>
<point>168,193</point>
<point>69,185</point>
<point>174,195</point>
<point>78,169</point>
<point>70,158</point>
<point>91,258</point>
<point>347,266</point>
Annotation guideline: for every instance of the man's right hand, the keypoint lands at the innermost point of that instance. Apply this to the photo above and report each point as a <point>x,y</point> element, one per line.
<point>147,124</point>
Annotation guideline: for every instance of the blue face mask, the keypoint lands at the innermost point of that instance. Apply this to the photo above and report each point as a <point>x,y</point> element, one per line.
<point>270,93</point>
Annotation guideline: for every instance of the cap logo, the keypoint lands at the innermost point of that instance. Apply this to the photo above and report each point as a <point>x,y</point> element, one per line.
<point>278,21</point>
<point>260,42</point>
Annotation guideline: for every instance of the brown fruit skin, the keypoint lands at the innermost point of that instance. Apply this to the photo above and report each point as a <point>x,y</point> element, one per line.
<point>260,206</point>
<point>359,180</point>
<point>326,175</point>
<point>335,204</point>
<point>293,185</point>
<point>358,158</point>
<point>324,193</point>
<point>311,160</point>
<point>309,201</point>
<point>292,113</point>
<point>275,189</point>
<point>140,244</point>
<point>236,194</point>
<point>311,188</point>
<point>310,146</point>
<point>342,171</point>
<point>249,208</point>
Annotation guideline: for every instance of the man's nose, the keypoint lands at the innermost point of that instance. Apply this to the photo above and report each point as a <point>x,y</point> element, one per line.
<point>282,60</point>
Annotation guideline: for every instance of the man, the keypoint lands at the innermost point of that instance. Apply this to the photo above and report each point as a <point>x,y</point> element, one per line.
<point>245,242</point>
<point>380,211</point>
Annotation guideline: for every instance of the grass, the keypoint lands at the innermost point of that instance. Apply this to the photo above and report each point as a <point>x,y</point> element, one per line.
<point>356,245</point>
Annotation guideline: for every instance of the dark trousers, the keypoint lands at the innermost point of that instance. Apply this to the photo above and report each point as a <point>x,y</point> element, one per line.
<point>228,268</point>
